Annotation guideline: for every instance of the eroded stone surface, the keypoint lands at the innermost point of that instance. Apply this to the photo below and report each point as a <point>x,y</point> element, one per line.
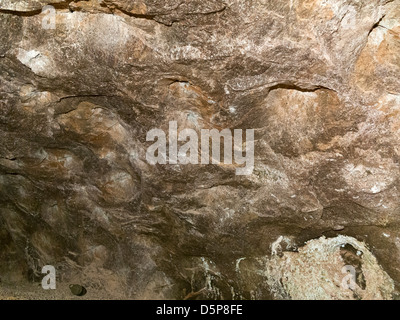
<point>317,80</point>
<point>339,268</point>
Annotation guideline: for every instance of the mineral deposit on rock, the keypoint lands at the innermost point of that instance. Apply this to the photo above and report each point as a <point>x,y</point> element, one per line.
<point>83,82</point>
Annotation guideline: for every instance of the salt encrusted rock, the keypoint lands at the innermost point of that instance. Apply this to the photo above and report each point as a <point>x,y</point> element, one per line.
<point>339,268</point>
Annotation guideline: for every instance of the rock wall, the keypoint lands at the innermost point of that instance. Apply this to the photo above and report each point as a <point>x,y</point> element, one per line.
<point>83,82</point>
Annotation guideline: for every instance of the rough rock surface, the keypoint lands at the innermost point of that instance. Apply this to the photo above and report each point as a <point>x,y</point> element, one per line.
<point>318,80</point>
<point>316,272</point>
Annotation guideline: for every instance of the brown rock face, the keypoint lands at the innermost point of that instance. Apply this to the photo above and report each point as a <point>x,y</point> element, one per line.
<point>82,83</point>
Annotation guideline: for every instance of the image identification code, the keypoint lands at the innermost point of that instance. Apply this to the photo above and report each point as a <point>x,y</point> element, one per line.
<point>218,309</point>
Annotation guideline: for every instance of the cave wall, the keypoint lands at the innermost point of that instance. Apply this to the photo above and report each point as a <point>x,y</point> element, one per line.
<point>318,81</point>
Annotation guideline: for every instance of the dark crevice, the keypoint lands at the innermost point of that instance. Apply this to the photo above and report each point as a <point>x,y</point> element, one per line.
<point>180,81</point>
<point>22,13</point>
<point>214,12</point>
<point>171,80</point>
<point>88,96</point>
<point>138,15</point>
<point>376,25</point>
<point>289,86</point>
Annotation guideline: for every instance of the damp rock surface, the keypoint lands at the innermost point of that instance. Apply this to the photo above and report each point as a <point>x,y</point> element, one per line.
<point>83,84</point>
